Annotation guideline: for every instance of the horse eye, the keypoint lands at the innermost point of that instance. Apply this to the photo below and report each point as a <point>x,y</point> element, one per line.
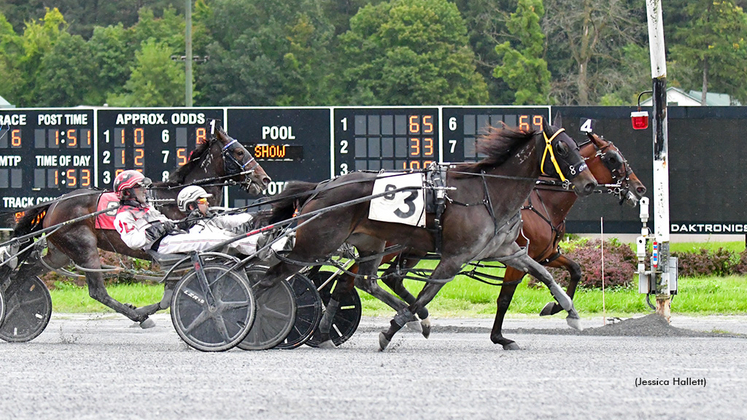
<point>562,149</point>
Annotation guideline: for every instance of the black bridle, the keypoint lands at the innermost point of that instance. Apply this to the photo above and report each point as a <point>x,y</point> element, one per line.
<point>232,166</point>
<point>615,162</point>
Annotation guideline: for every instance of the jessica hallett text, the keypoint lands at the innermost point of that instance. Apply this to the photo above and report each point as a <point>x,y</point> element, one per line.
<point>676,381</point>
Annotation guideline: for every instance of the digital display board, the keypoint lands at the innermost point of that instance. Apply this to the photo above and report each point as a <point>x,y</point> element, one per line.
<point>44,153</point>
<point>153,140</point>
<point>385,138</point>
<point>289,143</point>
<point>463,125</point>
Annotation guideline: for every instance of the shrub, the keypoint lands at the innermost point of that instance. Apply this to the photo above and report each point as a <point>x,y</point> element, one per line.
<point>620,263</point>
<point>721,262</point>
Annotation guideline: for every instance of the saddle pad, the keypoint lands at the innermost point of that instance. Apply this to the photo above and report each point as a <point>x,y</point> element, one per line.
<point>106,220</point>
<point>406,207</point>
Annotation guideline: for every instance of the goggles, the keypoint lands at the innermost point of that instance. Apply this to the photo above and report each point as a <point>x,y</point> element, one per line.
<point>202,200</point>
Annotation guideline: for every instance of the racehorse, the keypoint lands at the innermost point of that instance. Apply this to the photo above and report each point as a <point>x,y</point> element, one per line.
<point>543,216</point>
<point>480,221</point>
<point>222,157</point>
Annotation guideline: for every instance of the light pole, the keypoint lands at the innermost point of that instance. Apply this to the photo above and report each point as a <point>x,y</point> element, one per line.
<point>661,157</point>
<point>188,60</point>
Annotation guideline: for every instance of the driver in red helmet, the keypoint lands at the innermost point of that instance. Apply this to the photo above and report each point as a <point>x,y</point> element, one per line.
<point>139,224</point>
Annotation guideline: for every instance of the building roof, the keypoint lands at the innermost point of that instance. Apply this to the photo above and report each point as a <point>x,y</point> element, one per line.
<point>5,104</point>
<point>678,97</point>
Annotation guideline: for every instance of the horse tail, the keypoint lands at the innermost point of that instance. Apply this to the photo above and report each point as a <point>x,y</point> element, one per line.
<point>32,220</point>
<point>293,197</point>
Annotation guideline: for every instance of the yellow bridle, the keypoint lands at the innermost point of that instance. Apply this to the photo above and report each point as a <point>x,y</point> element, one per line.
<point>548,149</point>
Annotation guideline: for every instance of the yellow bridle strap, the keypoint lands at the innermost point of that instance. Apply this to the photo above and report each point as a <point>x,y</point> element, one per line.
<point>548,149</point>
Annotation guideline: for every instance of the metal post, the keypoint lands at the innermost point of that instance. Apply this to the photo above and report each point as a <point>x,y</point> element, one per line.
<point>188,61</point>
<point>661,153</point>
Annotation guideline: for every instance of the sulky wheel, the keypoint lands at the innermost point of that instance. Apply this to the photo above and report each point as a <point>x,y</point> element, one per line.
<point>348,316</point>
<point>215,316</point>
<point>276,312</point>
<point>308,312</point>
<point>28,308</point>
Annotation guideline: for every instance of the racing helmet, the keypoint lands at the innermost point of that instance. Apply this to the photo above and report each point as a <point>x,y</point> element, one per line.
<point>127,180</point>
<point>190,194</point>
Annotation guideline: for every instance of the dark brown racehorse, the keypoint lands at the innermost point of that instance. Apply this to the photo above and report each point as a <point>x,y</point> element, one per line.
<point>544,215</point>
<point>222,157</point>
<point>480,221</point>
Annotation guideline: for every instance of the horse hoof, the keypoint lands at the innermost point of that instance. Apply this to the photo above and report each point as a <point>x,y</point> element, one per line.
<point>511,346</point>
<point>548,309</point>
<point>383,342</point>
<point>426,325</point>
<point>328,344</point>
<point>574,323</point>
<point>147,323</point>
<point>415,325</point>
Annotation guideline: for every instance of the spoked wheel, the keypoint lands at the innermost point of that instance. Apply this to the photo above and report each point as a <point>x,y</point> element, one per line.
<point>276,312</point>
<point>215,316</point>
<point>308,312</point>
<point>346,319</point>
<point>28,310</point>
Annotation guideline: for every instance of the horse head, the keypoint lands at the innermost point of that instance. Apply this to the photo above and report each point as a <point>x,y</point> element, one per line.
<point>612,171</point>
<point>239,162</point>
<point>561,158</point>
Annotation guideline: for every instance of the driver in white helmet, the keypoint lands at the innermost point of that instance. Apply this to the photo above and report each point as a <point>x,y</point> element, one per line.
<point>208,227</point>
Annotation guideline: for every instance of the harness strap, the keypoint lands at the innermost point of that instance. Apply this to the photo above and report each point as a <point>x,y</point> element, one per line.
<point>548,150</point>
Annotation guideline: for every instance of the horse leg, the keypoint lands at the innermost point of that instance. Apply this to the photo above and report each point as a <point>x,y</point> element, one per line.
<point>525,263</point>
<point>511,279</point>
<point>575,273</point>
<point>80,244</point>
<point>343,286</point>
<point>446,269</point>
<point>395,281</point>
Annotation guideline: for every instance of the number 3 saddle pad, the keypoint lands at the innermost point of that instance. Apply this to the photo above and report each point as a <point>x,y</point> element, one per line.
<point>406,206</point>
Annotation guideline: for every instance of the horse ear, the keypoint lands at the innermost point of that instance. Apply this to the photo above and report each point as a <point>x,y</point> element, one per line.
<point>215,128</point>
<point>557,122</point>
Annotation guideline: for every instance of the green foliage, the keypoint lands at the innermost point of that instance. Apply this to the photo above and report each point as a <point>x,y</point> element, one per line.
<point>156,80</point>
<point>38,39</point>
<point>65,73</point>
<point>112,52</point>
<point>524,69</point>
<point>288,52</point>
<point>266,53</point>
<point>11,47</point>
<point>713,41</point>
<point>409,52</point>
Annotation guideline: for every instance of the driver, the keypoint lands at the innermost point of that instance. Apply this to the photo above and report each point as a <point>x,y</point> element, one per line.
<point>143,227</point>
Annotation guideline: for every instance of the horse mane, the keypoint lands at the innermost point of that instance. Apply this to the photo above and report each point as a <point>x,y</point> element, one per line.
<point>294,194</point>
<point>498,144</point>
<point>195,158</point>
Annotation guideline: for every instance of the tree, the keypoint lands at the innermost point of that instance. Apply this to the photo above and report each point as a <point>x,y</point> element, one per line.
<point>65,73</point>
<point>37,40</point>
<point>156,80</point>
<point>585,43</point>
<point>524,69</point>
<point>714,42</point>
<point>409,52</point>
<point>112,52</point>
<point>266,53</point>
<point>11,48</point>
<point>486,28</point>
